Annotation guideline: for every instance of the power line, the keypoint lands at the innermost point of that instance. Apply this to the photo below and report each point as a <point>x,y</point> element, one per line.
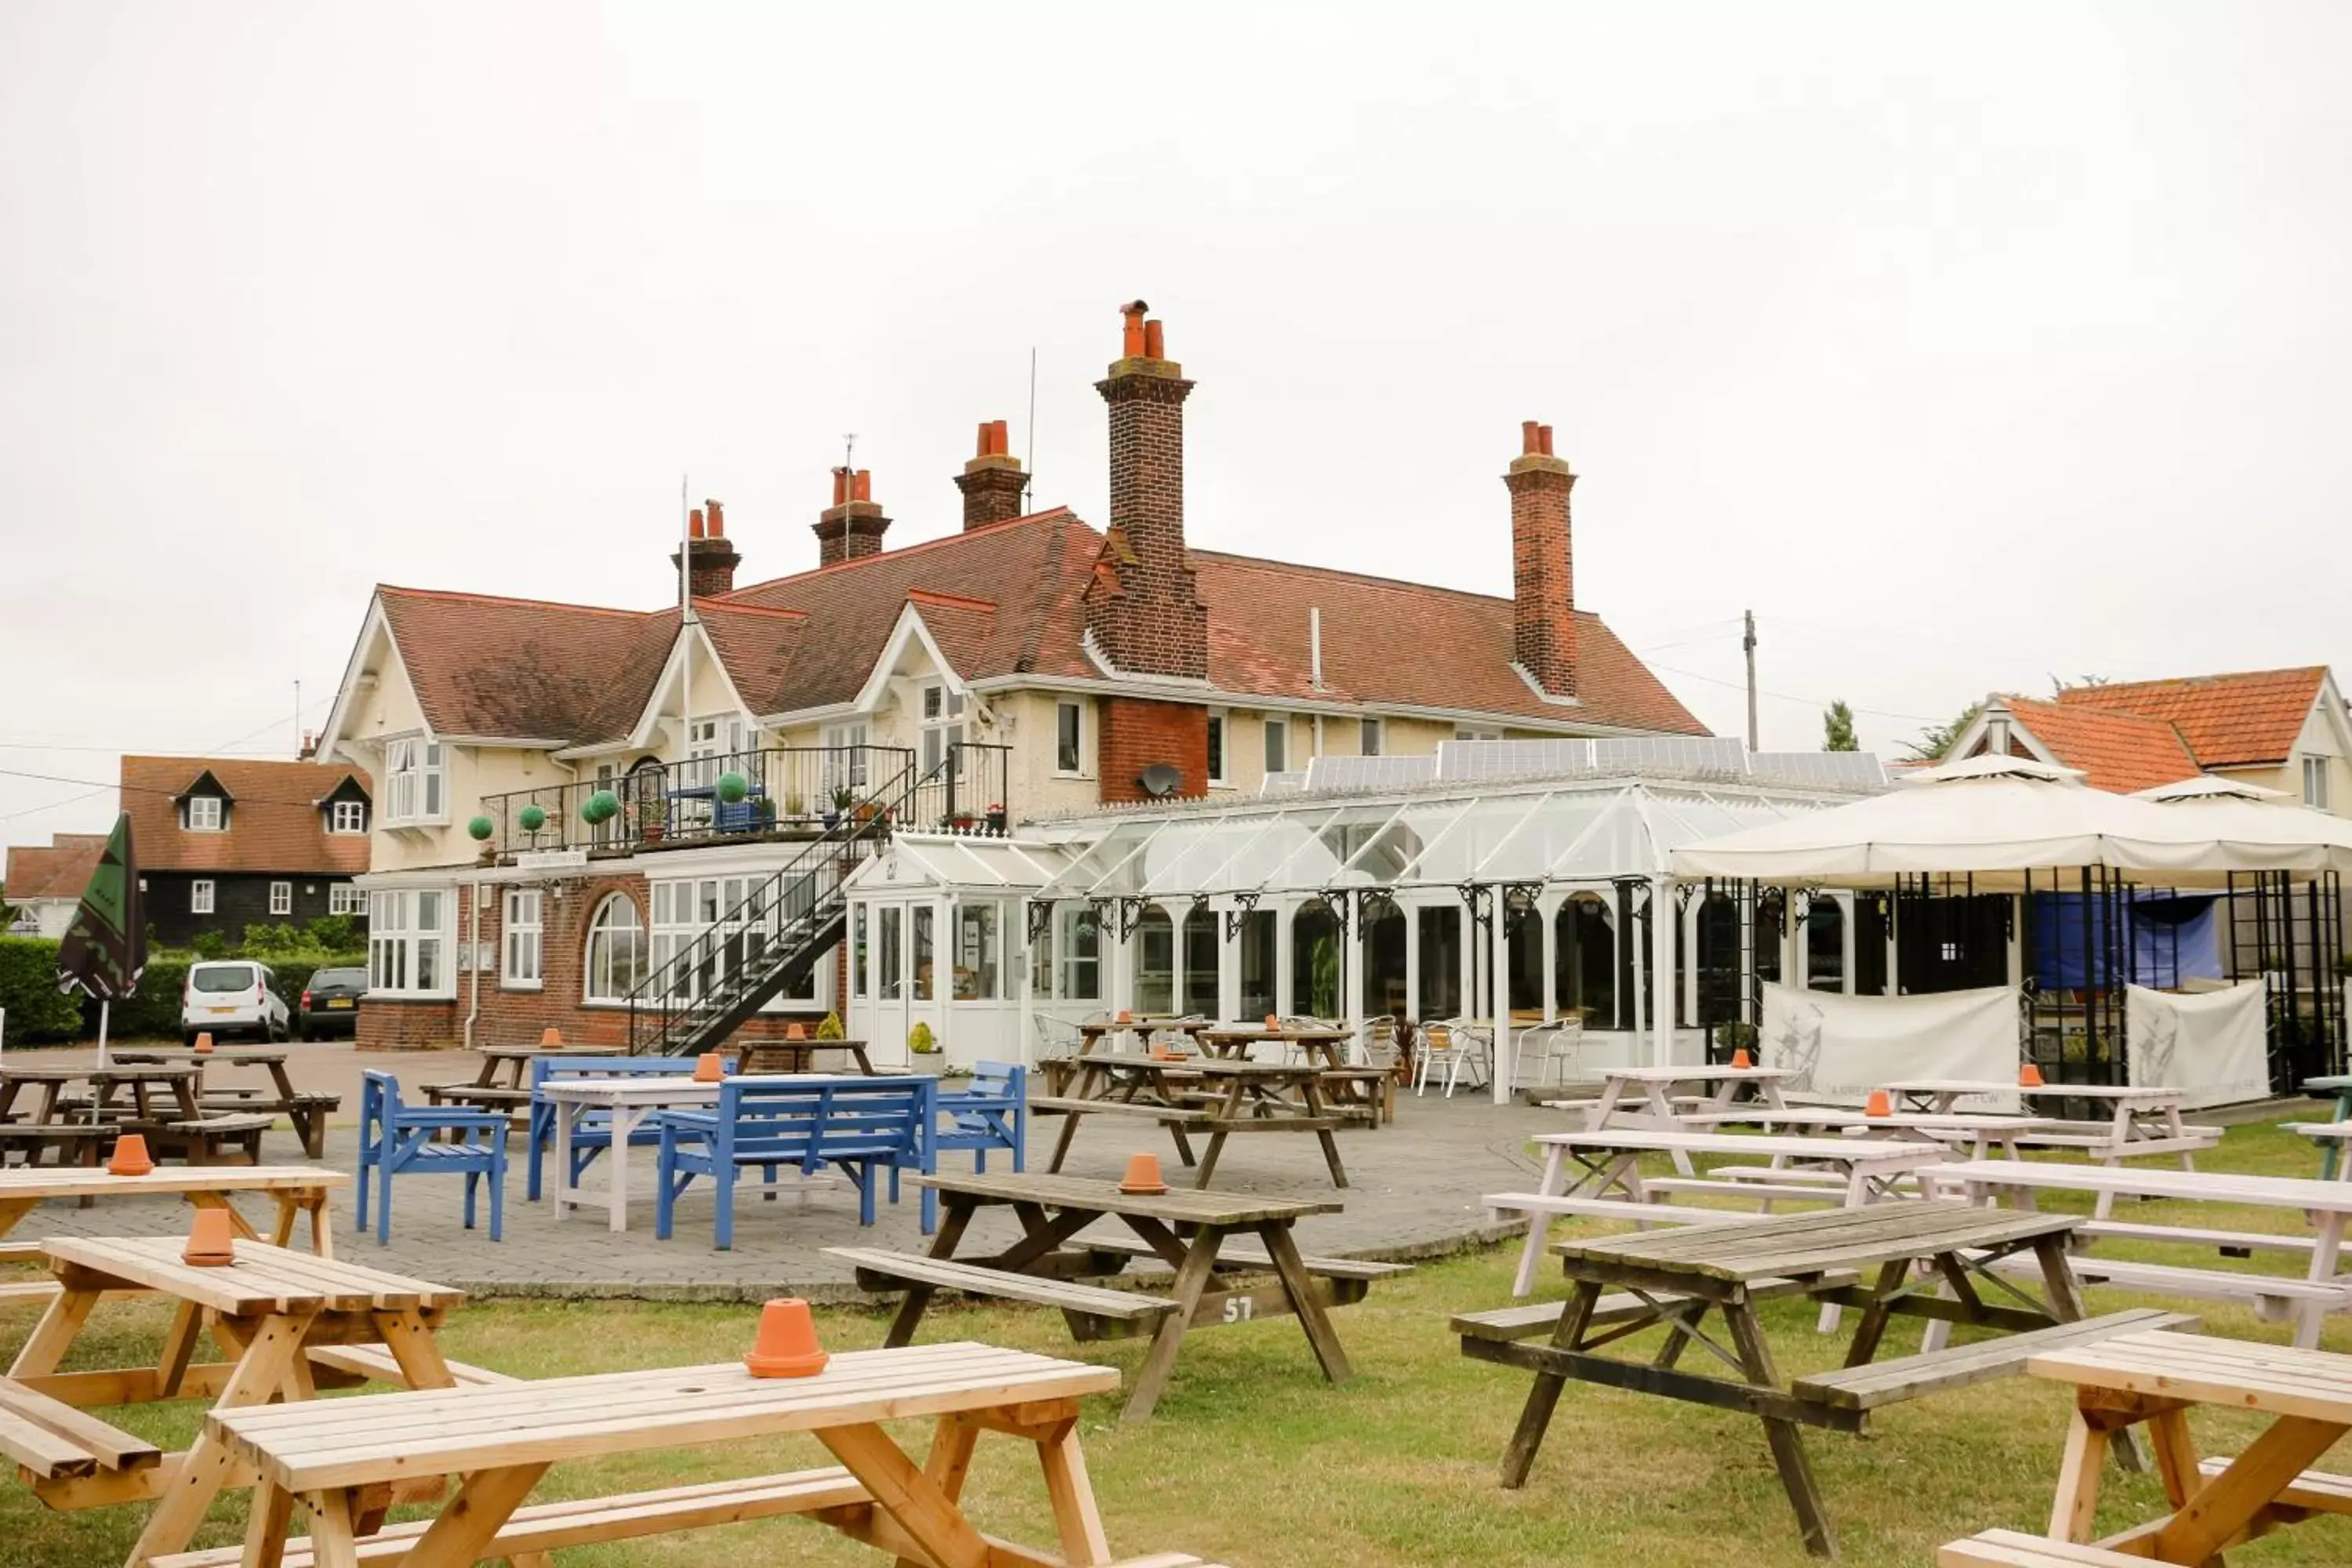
<point>148,789</point>
<point>100,789</point>
<point>1792,697</point>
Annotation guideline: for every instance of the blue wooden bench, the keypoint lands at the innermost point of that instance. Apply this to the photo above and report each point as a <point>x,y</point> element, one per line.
<point>994,1113</point>
<point>594,1134</point>
<point>864,1127</point>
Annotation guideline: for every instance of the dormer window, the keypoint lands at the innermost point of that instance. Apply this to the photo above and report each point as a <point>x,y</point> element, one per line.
<point>202,813</point>
<point>347,817</point>
<point>418,771</point>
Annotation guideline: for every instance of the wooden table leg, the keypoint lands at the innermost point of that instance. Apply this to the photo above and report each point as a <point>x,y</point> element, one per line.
<point>1062,1145</point>
<point>179,1346</point>
<point>332,1537</point>
<point>1535,1417</point>
<point>1872,1327</point>
<point>2079,1474</point>
<point>1315,1107</point>
<point>948,1463</point>
<point>1787,1440</point>
<point>2215,1514</point>
<point>1191,1280</point>
<point>1307,1302</point>
<point>1555,1179</point>
<point>2176,1455</point>
<point>485,1501</point>
<point>196,1481</point>
<point>266,1523</point>
<point>281,1229</point>
<point>912,1499</point>
<point>918,1296</point>
<point>419,1353</point>
<point>59,1324</point>
<point>1072,1497</point>
<point>2067,1306</point>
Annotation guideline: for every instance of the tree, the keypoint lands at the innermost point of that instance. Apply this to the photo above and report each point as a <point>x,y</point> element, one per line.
<point>1936,739</point>
<point>1837,728</point>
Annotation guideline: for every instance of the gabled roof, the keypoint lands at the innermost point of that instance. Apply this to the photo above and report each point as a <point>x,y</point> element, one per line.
<point>2227,721</point>
<point>2122,752</point>
<point>527,670</point>
<point>276,823</point>
<point>59,870</point>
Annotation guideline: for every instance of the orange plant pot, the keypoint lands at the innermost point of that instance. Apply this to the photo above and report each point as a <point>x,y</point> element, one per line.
<point>1273,1024</point>
<point>1144,1177</point>
<point>2028,1077</point>
<point>211,1243</point>
<point>1741,1059</point>
<point>204,1045</point>
<point>787,1345</point>
<point>551,1036</point>
<point>131,1157</point>
<point>710,1068</point>
<point>1880,1104</point>
<point>1124,1016</point>
<point>795,1032</point>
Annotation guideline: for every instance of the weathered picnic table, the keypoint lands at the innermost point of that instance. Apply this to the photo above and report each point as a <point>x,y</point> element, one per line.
<point>1093,1032</point>
<point>1369,1089</point>
<point>308,1111</point>
<point>1192,1232</point>
<point>1200,1095</point>
<point>502,1441</point>
<point>162,1106</point>
<point>287,1318</point>
<point>2339,1085</point>
<point>1611,1184</point>
<point>1869,1259</point>
<point>1981,1133</point>
<point>502,1082</point>
<point>797,1056</point>
<point>2158,1377</point>
<point>2308,1300</point>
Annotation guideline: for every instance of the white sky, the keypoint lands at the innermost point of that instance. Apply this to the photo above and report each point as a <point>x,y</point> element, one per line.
<point>1966,347</point>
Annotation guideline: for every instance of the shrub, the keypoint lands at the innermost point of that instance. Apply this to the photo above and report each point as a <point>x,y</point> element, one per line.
<point>334,934</point>
<point>28,989</point>
<point>210,944</point>
<point>831,1028</point>
<point>269,942</point>
<point>152,1009</point>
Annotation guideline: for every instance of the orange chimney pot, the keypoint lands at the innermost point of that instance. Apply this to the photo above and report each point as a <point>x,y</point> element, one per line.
<point>715,520</point>
<point>1131,341</point>
<point>861,485</point>
<point>1001,435</point>
<point>1543,436</point>
<point>1155,344</point>
<point>1530,437</point>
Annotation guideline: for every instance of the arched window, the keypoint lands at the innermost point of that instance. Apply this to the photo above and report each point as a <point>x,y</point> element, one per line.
<point>1717,960</point>
<point>1203,941</point>
<point>616,951</point>
<point>1155,963</point>
<point>1825,943</point>
<point>1315,962</point>
<point>1585,962</point>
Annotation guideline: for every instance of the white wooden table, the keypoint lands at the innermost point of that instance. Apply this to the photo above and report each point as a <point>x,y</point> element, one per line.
<point>1980,1131</point>
<point>627,1102</point>
<point>2145,1119</point>
<point>1644,1097</point>
<point>2328,1202</point>
<point>1610,1162</point>
<point>502,1440</point>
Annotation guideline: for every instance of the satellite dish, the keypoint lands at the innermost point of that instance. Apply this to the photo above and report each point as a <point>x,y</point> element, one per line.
<point>1161,780</point>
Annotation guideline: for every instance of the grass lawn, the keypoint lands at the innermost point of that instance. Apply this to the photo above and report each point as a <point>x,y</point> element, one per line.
<point>1253,1459</point>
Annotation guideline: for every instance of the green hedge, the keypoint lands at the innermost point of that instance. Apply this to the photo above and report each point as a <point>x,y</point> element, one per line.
<point>38,1012</point>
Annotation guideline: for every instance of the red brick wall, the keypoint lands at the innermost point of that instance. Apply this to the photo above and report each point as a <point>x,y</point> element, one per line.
<point>1543,585</point>
<point>1146,615</point>
<point>518,1017</point>
<point>1134,734</point>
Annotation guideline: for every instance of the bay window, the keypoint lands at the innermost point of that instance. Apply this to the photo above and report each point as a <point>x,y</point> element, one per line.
<point>408,942</point>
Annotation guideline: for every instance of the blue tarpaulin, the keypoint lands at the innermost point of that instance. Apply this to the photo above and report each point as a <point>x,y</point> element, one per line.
<point>2173,938</point>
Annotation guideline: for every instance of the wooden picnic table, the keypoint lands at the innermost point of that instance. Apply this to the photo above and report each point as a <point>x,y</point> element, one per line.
<point>1366,1088</point>
<point>798,1056</point>
<point>1868,1258</point>
<point>2157,1378</point>
<point>1612,1177</point>
<point>272,1306</point>
<point>2338,1085</point>
<point>1189,1231</point>
<point>2331,1136</point>
<point>502,1440</point>
<point>308,1112</point>
<point>1219,1098</point>
<point>2321,1291</point>
<point>1646,1096</point>
<point>295,1189</point>
<point>503,1080</point>
<point>162,1107</point>
<point>1981,1131</point>
<point>1092,1032</point>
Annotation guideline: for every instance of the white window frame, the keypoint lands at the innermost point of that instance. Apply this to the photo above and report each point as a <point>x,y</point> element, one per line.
<point>1371,737</point>
<point>345,899</point>
<point>1069,963</point>
<point>281,898</point>
<point>1221,747</point>
<point>1276,736</point>
<point>202,896</point>
<point>1076,711</point>
<point>347,817</point>
<point>589,996</point>
<point>416,782</point>
<point>204,814</point>
<point>848,766</point>
<point>1474,732</point>
<point>684,909</point>
<point>2314,783</point>
<point>409,951</point>
<point>522,934</point>
<point>941,710</point>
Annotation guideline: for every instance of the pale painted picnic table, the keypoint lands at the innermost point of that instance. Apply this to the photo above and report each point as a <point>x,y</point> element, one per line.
<point>2158,1377</point>
<point>1610,1162</point>
<point>2328,1202</point>
<point>626,1101</point>
<point>1644,1097</point>
<point>1979,1131</point>
<point>2331,1136</point>
<point>2339,1085</point>
<point>502,1440</point>
<point>2146,1120</point>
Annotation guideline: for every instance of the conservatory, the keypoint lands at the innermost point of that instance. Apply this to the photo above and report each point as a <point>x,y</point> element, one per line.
<point>1516,881</point>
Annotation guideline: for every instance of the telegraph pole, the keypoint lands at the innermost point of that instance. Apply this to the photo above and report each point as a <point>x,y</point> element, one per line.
<point>1748,644</point>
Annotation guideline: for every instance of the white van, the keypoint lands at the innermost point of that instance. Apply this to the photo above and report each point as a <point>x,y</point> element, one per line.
<point>231,997</point>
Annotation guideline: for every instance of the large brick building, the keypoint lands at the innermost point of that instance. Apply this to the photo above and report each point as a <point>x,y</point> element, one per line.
<point>1064,665</point>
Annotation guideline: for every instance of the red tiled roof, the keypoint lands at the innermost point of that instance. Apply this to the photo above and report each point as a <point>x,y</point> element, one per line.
<point>1001,600</point>
<point>59,870</point>
<point>2118,751</point>
<point>273,822</point>
<point>2226,720</point>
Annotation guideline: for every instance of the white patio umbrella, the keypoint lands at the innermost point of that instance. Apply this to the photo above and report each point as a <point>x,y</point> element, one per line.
<point>2250,824</point>
<point>1992,818</point>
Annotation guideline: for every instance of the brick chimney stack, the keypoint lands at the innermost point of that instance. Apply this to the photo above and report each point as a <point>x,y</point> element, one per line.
<point>1141,609</point>
<point>992,483</point>
<point>711,560</point>
<point>853,525</point>
<point>1543,580</point>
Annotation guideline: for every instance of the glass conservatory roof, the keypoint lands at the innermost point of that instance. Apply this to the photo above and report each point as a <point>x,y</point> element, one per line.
<point>1441,834</point>
<point>958,860</point>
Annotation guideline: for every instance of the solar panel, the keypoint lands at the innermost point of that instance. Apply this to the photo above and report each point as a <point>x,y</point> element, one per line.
<point>1719,754</point>
<point>1369,772</point>
<point>1833,770</point>
<point>1511,759</point>
<point>1283,783</point>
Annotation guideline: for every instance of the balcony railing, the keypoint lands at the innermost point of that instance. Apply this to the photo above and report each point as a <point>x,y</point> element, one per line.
<point>790,792</point>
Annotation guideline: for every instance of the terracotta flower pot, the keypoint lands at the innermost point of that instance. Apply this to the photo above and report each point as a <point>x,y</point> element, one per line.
<point>211,1243</point>
<point>131,1157</point>
<point>1143,1178</point>
<point>787,1345</point>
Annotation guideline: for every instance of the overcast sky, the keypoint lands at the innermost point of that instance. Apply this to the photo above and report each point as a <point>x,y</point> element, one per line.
<point>1966,345</point>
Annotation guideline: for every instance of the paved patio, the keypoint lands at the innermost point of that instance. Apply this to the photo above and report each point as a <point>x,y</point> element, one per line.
<point>1414,1192</point>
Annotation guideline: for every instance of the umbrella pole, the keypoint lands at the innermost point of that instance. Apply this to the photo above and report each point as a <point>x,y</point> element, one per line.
<point>102,1005</point>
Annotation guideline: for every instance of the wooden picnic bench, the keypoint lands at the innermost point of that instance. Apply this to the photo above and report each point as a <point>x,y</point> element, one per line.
<point>2156,1378</point>
<point>1868,1258</point>
<point>2307,1301</point>
<point>306,1110</point>
<point>502,1441</point>
<point>2338,1088</point>
<point>499,1083</point>
<point>796,1056</point>
<point>1192,1232</point>
<point>1219,1098</point>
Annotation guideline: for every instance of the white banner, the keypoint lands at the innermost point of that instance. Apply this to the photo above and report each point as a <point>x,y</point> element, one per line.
<point>2211,1043</point>
<point>1840,1047</point>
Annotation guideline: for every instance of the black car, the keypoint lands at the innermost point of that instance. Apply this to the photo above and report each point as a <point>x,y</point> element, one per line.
<point>330,1003</point>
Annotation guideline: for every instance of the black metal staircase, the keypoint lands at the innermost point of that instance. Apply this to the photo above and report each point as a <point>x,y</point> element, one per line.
<point>775,935</point>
